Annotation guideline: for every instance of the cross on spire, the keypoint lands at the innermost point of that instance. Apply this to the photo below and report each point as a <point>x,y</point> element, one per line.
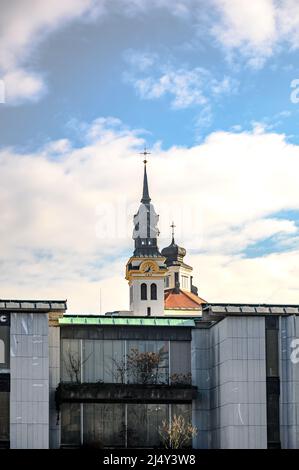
<point>172,231</point>
<point>145,153</point>
<point>145,193</point>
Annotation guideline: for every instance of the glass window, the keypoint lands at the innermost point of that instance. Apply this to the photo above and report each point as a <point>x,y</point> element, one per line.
<point>144,367</point>
<point>144,421</point>
<point>93,358</point>
<point>143,291</point>
<point>104,425</point>
<point>180,367</point>
<point>103,361</point>
<point>70,360</point>
<point>153,291</point>
<point>166,281</point>
<point>182,409</point>
<point>185,282</point>
<point>4,416</point>
<point>70,424</point>
<point>118,424</point>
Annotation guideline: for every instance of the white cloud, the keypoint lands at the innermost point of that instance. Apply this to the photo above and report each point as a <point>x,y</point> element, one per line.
<point>20,32</point>
<point>140,60</point>
<point>57,147</point>
<point>21,85</point>
<point>254,30</point>
<point>288,18</point>
<point>186,86</point>
<point>23,26</point>
<point>66,220</point>
<point>257,29</point>
<point>267,279</point>
<point>227,85</point>
<point>249,26</point>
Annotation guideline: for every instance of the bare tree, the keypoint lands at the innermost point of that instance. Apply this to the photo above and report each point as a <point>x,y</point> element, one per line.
<point>138,367</point>
<point>73,364</point>
<point>119,370</point>
<point>178,433</point>
<point>143,367</point>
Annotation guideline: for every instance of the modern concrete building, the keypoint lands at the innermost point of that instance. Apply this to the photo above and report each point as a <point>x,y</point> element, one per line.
<point>24,372</point>
<point>121,377</point>
<point>244,387</point>
<point>233,371</point>
<point>245,363</point>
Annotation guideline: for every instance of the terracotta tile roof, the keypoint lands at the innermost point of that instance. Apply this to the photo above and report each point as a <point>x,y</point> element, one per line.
<point>183,300</point>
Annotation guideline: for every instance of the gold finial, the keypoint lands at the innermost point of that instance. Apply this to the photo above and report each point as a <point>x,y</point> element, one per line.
<point>145,153</point>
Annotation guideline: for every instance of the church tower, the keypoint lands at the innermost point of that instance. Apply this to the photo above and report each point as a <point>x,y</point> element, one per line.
<point>146,269</point>
<point>181,297</point>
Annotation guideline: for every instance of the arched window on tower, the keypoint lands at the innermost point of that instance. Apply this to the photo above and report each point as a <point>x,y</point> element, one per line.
<point>143,291</point>
<point>153,291</point>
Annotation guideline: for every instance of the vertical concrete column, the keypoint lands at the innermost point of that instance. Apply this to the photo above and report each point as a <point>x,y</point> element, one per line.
<point>29,397</point>
<point>238,393</point>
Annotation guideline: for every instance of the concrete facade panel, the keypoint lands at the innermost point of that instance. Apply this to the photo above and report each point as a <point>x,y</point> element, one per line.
<point>29,399</point>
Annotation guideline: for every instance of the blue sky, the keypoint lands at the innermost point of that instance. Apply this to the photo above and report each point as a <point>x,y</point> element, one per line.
<point>206,85</point>
<point>90,68</point>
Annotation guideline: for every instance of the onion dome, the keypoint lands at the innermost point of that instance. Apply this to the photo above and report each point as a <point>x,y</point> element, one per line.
<point>173,253</point>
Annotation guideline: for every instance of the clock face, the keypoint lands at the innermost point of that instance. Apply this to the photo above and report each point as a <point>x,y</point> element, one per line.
<point>148,267</point>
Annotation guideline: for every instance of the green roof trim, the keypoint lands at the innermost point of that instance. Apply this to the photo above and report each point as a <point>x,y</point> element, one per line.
<point>126,321</point>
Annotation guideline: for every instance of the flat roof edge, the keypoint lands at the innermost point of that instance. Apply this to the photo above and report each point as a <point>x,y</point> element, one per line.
<point>101,320</point>
<point>14,305</point>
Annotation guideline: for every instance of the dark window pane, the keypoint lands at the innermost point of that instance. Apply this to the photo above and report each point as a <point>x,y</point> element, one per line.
<point>103,360</point>
<point>180,367</point>
<point>272,353</point>
<point>4,416</point>
<point>143,289</point>
<point>104,425</point>
<point>153,291</point>
<point>144,423</point>
<point>70,360</point>
<point>70,424</point>
<point>183,409</point>
<point>93,360</point>
<point>273,433</point>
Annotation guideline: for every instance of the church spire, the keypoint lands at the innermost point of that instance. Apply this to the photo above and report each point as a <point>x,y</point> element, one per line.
<point>146,268</point>
<point>145,193</point>
<point>145,222</point>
